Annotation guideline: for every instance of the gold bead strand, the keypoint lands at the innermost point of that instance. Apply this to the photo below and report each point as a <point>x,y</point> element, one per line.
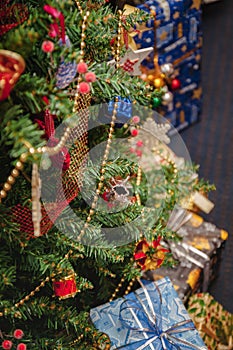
<point>109,140</point>
<point>32,293</point>
<point>138,182</point>
<point>79,6</point>
<point>102,170</point>
<point>117,288</point>
<point>118,41</point>
<point>12,177</point>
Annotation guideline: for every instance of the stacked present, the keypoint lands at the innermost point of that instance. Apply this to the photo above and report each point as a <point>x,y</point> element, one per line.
<point>198,255</point>
<point>215,324</point>
<point>151,318</point>
<point>178,42</point>
<point>186,278</point>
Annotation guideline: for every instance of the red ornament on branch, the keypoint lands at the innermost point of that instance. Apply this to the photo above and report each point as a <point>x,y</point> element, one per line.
<point>66,287</point>
<point>150,255</point>
<point>7,344</point>
<point>12,66</point>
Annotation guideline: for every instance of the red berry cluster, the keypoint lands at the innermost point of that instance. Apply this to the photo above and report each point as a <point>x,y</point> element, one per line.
<point>18,334</point>
<point>89,77</point>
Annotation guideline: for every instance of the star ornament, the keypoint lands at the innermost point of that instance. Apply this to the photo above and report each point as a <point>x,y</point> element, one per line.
<point>132,60</point>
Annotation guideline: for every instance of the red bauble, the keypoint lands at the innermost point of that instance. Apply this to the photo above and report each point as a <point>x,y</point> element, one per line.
<point>175,84</point>
<point>7,344</point>
<point>134,132</point>
<point>65,288</point>
<point>21,346</point>
<point>18,334</point>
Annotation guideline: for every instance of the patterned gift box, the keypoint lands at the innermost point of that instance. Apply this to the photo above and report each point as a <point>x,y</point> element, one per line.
<point>215,324</point>
<point>198,256</point>
<point>186,278</point>
<point>153,317</point>
<point>178,41</point>
<point>204,242</point>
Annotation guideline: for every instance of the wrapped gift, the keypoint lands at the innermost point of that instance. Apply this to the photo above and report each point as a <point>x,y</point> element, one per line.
<point>152,317</point>
<point>202,244</point>
<point>198,254</point>
<point>186,278</point>
<point>215,324</point>
<point>178,41</point>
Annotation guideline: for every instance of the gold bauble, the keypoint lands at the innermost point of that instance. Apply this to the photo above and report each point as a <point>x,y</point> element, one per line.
<point>158,83</point>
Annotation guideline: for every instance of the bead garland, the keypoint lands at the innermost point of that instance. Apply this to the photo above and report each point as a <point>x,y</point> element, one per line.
<point>109,140</point>
<point>31,151</point>
<point>169,161</point>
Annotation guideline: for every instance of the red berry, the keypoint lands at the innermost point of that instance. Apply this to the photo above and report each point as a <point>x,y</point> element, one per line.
<point>135,119</point>
<point>21,346</point>
<point>84,87</point>
<point>134,132</point>
<point>139,143</point>
<point>138,152</point>
<point>47,46</point>
<point>7,344</point>
<point>18,334</point>
<point>82,67</point>
<point>90,77</point>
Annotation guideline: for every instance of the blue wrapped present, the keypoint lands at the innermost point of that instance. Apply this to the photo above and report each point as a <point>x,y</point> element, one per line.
<point>151,318</point>
<point>178,42</point>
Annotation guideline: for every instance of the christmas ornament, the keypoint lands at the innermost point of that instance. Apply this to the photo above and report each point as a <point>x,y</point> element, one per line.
<point>8,344</point>
<point>132,60</point>
<point>167,97</point>
<point>47,46</point>
<point>175,84</point>
<point>82,67</point>
<point>158,82</point>
<point>18,334</point>
<point>135,119</point>
<point>65,287</point>
<point>67,70</point>
<point>12,66</point>
<point>150,255</point>
<point>134,132</point>
<point>156,130</point>
<point>90,77</point>
<point>167,68</point>
<point>118,190</point>
<point>156,102</point>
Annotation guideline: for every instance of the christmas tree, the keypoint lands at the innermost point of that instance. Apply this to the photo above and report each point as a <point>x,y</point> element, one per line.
<point>80,197</point>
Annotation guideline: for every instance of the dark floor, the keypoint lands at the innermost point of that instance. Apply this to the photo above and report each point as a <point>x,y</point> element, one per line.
<point>210,142</point>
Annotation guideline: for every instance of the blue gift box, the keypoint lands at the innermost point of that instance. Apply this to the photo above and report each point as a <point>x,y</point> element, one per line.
<point>151,318</point>
<point>178,41</point>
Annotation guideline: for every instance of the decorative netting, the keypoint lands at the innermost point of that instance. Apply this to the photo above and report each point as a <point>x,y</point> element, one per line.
<point>68,188</point>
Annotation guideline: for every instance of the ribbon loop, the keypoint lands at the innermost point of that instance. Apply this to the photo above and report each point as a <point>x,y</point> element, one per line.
<point>140,317</point>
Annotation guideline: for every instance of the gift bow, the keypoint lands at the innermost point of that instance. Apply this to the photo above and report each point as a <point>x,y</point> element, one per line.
<point>166,337</point>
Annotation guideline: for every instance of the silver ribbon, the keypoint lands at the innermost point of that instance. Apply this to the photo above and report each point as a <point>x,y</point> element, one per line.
<point>164,336</point>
